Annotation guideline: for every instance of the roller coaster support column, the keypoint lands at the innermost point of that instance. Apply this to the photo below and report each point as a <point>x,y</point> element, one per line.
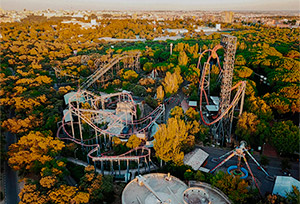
<point>127,171</point>
<point>79,122</point>
<point>96,134</point>
<point>112,166</point>
<point>102,168</point>
<point>138,160</point>
<point>71,118</point>
<point>119,165</point>
<point>149,161</point>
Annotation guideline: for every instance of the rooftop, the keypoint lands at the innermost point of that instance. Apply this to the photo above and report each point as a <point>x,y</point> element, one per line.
<point>283,185</point>
<point>195,158</point>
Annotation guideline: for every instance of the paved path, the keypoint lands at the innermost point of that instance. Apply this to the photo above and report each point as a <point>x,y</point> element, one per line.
<point>133,171</point>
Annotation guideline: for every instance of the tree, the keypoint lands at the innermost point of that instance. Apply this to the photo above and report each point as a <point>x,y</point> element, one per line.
<point>294,196</point>
<point>242,71</point>
<point>183,58</point>
<point>172,82</point>
<point>247,126</point>
<point>148,66</point>
<point>30,194</point>
<point>68,194</point>
<point>160,93</point>
<point>169,140</point>
<point>177,111</point>
<point>98,187</point>
<point>192,114</point>
<point>235,188</point>
<point>31,148</point>
<point>133,142</point>
<point>130,75</point>
<point>285,137</point>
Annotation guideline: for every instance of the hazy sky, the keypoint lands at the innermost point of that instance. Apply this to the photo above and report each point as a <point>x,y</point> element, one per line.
<point>151,4</point>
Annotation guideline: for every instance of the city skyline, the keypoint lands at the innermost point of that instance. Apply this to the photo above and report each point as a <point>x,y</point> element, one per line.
<point>256,5</point>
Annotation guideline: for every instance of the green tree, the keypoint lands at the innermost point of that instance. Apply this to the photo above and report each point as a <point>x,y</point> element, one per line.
<point>148,66</point>
<point>285,137</point>
<point>99,187</point>
<point>235,188</point>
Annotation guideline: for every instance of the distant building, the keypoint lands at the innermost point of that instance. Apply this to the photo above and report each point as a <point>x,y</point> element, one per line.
<point>93,22</point>
<point>228,17</point>
<point>218,26</point>
<point>177,31</point>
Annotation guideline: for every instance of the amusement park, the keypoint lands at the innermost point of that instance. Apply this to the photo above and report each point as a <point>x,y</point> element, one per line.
<point>97,121</point>
<point>167,106</point>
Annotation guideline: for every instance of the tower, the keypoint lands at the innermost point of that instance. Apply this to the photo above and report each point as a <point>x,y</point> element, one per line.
<point>229,44</point>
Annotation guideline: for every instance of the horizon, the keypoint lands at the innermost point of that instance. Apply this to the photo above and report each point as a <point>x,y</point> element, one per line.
<point>154,5</point>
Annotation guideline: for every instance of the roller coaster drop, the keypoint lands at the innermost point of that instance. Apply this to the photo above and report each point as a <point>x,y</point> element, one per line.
<point>222,122</point>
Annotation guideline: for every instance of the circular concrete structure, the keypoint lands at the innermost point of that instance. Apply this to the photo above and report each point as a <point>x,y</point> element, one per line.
<point>196,195</point>
<point>160,188</point>
<point>154,188</point>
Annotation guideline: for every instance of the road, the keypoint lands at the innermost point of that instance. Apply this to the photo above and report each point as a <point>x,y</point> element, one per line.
<point>175,101</point>
<point>273,168</point>
<point>10,176</point>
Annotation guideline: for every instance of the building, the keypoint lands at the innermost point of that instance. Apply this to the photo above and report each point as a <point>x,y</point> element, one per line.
<point>284,185</point>
<point>228,17</point>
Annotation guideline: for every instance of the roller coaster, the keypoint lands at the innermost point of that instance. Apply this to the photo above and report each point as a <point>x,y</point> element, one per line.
<point>107,71</point>
<point>221,123</point>
<point>107,116</point>
<point>106,67</point>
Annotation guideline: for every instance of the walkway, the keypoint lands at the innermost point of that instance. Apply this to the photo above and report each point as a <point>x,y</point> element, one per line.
<point>133,171</point>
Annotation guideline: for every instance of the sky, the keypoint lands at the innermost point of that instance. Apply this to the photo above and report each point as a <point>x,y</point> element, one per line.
<point>258,5</point>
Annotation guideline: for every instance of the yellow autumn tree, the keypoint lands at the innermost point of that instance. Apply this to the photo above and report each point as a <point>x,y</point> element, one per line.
<point>169,140</point>
<point>172,82</point>
<point>130,75</point>
<point>133,142</point>
<point>183,58</point>
<point>30,194</point>
<point>68,194</point>
<point>192,114</point>
<point>177,111</point>
<point>35,146</point>
<point>160,93</point>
